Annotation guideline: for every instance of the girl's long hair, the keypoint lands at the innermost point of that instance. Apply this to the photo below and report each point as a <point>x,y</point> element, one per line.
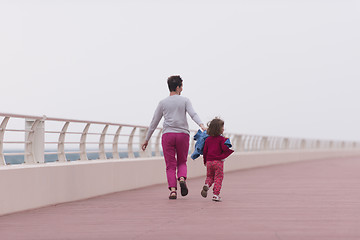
<point>214,127</point>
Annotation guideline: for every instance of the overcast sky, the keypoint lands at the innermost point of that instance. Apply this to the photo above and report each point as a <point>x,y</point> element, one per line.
<point>281,68</point>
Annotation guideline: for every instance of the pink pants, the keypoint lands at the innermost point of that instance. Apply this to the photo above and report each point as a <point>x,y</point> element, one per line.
<point>215,174</point>
<point>176,149</point>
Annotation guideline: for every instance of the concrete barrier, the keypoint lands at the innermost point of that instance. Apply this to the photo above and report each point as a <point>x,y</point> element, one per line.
<point>25,187</point>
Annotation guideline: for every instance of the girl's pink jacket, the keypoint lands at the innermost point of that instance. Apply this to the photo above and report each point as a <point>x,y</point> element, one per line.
<point>215,149</point>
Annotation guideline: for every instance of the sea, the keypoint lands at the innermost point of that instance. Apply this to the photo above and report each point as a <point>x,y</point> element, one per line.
<point>20,159</point>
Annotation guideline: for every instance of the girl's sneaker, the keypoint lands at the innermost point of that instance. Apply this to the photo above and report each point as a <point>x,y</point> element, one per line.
<point>204,191</point>
<point>216,198</point>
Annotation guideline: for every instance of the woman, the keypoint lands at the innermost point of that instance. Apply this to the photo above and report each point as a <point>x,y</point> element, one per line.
<point>175,134</point>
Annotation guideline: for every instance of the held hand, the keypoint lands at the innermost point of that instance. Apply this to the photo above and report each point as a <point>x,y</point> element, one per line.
<point>143,147</point>
<point>203,127</point>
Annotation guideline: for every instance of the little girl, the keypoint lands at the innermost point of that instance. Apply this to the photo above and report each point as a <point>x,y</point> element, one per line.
<point>215,152</point>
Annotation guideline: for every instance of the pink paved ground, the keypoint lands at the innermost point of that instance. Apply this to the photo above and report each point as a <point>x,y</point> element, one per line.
<point>315,200</point>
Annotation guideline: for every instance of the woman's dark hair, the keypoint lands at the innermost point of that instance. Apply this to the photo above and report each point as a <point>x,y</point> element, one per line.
<point>174,82</point>
<point>214,127</point>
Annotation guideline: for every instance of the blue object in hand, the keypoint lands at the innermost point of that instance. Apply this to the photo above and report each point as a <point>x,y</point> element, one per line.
<point>200,138</point>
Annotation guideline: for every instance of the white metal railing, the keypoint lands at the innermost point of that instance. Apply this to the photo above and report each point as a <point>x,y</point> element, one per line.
<point>43,139</point>
<point>36,139</point>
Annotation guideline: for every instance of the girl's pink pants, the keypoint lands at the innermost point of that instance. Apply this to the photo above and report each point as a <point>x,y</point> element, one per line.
<point>175,148</point>
<point>215,175</point>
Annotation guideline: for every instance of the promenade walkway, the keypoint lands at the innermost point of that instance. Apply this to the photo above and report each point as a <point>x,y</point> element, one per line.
<point>312,200</point>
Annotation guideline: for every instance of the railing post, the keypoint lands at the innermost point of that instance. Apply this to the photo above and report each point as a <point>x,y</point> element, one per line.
<point>192,143</point>
<point>325,144</point>
<point>303,144</point>
<point>61,143</point>
<point>242,143</point>
<point>278,143</point>
<point>83,155</point>
<point>248,142</point>
<point>270,143</point>
<point>281,143</point>
<point>142,136</point>
<point>274,143</point>
<point>234,140</point>
<point>102,153</point>
<point>115,152</point>
<point>2,133</point>
<point>260,143</point>
<point>289,143</point>
<point>263,143</point>
<point>255,143</point>
<point>286,143</point>
<point>238,143</point>
<point>130,144</point>
<point>157,144</point>
<point>34,141</point>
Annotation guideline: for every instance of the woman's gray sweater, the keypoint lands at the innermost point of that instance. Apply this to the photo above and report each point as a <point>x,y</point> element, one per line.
<point>173,109</point>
